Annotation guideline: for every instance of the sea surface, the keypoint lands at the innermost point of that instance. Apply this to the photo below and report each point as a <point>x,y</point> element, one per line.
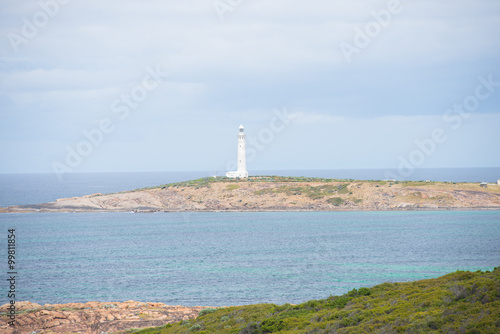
<point>231,258</point>
<point>221,259</point>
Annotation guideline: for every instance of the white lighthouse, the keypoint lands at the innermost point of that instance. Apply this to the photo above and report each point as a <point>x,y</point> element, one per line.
<point>242,159</point>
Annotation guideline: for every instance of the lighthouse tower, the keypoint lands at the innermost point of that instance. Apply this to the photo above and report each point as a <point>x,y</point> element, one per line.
<point>242,158</point>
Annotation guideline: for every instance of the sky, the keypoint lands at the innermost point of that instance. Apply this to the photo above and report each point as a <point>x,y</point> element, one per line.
<point>163,85</point>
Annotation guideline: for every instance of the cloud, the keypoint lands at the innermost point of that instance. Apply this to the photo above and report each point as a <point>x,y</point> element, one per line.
<point>264,55</point>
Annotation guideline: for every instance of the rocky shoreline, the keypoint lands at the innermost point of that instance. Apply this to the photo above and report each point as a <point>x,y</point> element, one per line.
<point>281,194</point>
<point>92,317</point>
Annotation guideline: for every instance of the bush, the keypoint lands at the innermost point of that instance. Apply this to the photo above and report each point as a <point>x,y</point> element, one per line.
<point>251,328</point>
<point>206,311</point>
<point>364,292</point>
<point>339,302</point>
<point>311,304</point>
<point>195,328</point>
<point>282,308</point>
<point>342,188</point>
<point>360,292</point>
<point>271,325</point>
<point>346,322</point>
<point>336,201</point>
<point>459,292</point>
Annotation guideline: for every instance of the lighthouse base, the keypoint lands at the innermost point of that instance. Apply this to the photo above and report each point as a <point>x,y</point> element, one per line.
<point>234,175</point>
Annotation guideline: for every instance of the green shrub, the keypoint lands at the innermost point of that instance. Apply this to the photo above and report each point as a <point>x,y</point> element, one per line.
<point>336,201</point>
<point>336,301</point>
<point>364,292</point>
<point>195,328</point>
<point>251,328</point>
<point>206,311</point>
<point>271,325</point>
<point>346,322</point>
<point>342,188</point>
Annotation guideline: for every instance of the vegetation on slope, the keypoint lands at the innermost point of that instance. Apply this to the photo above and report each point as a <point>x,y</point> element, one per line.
<point>206,181</point>
<point>461,302</point>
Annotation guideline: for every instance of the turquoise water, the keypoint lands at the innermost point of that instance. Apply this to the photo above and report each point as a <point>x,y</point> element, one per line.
<point>239,258</point>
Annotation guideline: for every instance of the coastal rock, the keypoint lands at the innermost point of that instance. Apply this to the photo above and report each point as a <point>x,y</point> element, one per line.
<point>92,317</point>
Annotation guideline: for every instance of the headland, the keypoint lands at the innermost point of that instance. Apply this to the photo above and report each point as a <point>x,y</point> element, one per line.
<point>276,193</point>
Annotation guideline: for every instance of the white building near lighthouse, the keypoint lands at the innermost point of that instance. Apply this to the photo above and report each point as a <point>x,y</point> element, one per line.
<point>242,159</point>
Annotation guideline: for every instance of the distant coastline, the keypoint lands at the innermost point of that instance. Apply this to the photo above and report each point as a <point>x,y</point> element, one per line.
<point>277,193</point>
<point>23,189</point>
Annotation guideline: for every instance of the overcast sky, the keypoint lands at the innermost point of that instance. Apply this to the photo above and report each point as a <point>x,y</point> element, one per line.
<point>162,85</point>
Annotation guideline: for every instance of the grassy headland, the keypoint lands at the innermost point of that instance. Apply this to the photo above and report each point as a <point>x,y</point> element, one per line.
<point>461,302</point>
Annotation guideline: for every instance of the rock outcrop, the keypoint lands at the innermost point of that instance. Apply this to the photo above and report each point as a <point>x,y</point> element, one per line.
<point>92,317</point>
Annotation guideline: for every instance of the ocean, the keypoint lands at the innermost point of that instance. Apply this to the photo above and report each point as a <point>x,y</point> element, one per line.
<point>222,259</point>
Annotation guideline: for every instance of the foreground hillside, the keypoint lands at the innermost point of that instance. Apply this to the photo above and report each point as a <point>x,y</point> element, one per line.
<point>267,193</point>
<point>462,302</point>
